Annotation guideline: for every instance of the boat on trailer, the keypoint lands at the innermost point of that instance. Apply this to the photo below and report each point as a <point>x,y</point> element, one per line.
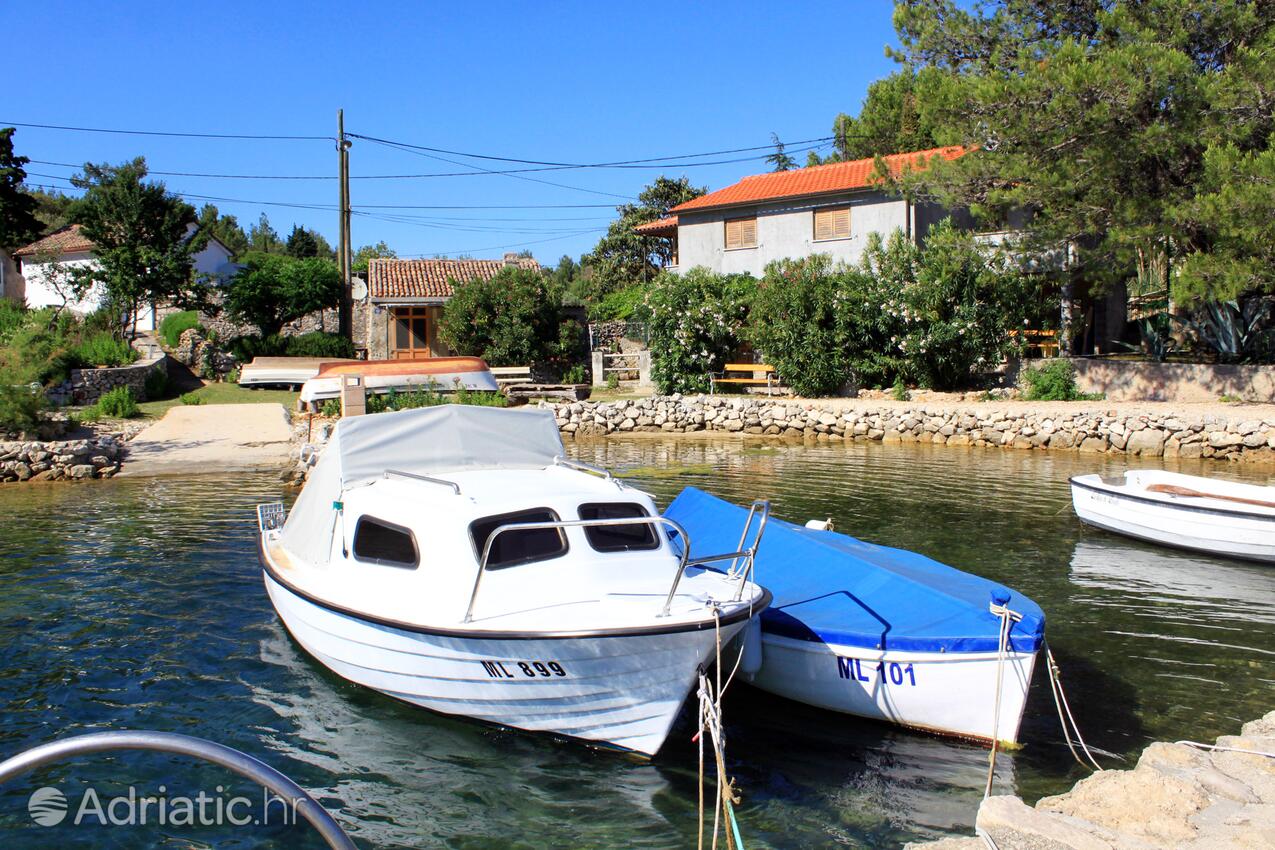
<point>441,374</point>
<point>453,558</point>
<point>1226,518</point>
<point>879,632</point>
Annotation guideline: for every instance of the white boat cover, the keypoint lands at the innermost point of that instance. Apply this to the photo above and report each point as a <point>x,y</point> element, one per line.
<point>427,440</point>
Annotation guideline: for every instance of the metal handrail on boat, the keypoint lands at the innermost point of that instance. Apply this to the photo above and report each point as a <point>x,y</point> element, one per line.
<point>580,523</point>
<point>418,477</point>
<point>762,505</point>
<point>170,742</point>
<point>559,460</point>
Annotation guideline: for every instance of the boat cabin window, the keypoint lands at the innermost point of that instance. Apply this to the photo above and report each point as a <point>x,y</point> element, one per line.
<point>519,547</point>
<point>384,543</point>
<point>618,538</point>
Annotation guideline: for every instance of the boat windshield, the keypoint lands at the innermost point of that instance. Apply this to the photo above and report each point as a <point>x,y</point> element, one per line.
<point>519,547</point>
<point>618,538</point>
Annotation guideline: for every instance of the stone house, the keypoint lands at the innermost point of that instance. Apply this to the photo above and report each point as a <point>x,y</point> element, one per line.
<point>70,248</point>
<point>397,317</point>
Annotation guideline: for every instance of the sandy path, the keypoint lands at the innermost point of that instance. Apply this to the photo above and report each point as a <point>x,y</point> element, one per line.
<point>196,439</point>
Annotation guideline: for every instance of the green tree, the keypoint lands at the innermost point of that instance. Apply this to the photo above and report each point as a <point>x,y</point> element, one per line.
<point>273,289</point>
<point>263,238</point>
<point>53,209</point>
<point>780,160</point>
<point>513,319</point>
<point>889,121</point>
<point>622,258</point>
<point>19,224</point>
<point>142,237</point>
<point>1123,127</point>
<point>301,243</point>
<point>371,252</point>
<point>225,228</point>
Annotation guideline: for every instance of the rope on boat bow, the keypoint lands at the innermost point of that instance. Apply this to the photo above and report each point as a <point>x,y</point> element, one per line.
<point>999,606</point>
<point>710,720</point>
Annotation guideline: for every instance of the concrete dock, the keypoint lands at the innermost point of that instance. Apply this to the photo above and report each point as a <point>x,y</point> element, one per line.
<point>193,439</point>
<point>1178,796</point>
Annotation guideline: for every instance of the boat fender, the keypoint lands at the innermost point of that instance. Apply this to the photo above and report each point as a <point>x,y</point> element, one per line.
<point>819,524</point>
<point>751,655</point>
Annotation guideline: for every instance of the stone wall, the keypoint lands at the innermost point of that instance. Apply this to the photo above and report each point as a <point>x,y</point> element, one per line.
<point>55,460</point>
<point>88,385</point>
<point>1070,427</point>
<point>1133,380</point>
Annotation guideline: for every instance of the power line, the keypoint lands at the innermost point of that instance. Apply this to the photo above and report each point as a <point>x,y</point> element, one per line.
<point>502,247</point>
<point>242,136</point>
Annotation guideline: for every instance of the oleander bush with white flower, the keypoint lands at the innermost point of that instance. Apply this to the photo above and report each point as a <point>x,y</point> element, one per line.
<point>696,322</point>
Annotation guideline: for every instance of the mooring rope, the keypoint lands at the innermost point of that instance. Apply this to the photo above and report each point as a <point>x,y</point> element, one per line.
<point>1065,716</point>
<point>1227,749</point>
<point>1007,618</point>
<point>710,720</point>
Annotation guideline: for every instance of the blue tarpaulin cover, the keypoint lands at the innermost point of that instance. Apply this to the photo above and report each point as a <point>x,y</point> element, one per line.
<point>832,588</point>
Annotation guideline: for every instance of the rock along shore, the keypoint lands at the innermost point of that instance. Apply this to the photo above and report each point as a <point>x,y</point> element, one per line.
<point>56,460</point>
<point>1178,796</point>
<point>1072,426</point>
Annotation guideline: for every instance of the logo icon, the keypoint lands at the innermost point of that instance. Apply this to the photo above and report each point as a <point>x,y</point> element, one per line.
<point>47,806</point>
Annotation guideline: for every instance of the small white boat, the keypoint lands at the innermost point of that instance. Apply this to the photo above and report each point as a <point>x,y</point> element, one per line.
<point>283,371</point>
<point>452,558</point>
<point>882,633</point>
<point>442,374</point>
<point>1224,518</point>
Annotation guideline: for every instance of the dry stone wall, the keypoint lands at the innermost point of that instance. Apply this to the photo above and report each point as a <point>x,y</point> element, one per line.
<point>1078,428</point>
<point>56,460</point>
<point>88,385</point>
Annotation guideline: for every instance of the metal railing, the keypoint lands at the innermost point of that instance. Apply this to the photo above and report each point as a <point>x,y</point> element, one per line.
<point>427,479</point>
<point>749,554</point>
<point>169,742</point>
<point>559,460</point>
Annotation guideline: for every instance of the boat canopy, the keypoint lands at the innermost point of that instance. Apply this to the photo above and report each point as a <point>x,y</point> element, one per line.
<point>427,440</point>
<point>832,588</point>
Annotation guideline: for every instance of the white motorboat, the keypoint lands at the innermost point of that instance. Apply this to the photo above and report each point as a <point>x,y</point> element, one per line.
<point>283,371</point>
<point>453,558</point>
<point>1225,518</point>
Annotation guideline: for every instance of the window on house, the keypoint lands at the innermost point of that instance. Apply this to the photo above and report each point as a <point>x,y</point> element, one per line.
<point>832,223</point>
<point>618,538</point>
<point>384,543</point>
<point>519,547</point>
<point>741,232</point>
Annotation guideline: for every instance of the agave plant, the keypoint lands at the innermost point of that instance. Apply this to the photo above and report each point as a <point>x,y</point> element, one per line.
<point>1155,337</point>
<point>1233,330</point>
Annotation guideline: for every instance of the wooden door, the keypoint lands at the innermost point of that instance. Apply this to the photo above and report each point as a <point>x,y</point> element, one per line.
<point>410,336</point>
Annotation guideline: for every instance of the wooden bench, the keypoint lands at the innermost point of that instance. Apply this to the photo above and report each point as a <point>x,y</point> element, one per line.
<point>506,375</point>
<point>769,379</point>
<point>1044,343</point>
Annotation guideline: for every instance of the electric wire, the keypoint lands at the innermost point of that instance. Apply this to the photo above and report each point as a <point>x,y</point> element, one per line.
<point>239,136</point>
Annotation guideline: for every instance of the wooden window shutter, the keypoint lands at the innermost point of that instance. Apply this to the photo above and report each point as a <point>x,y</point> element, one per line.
<point>741,232</point>
<point>832,223</point>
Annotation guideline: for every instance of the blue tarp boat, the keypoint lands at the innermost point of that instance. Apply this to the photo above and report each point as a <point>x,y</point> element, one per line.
<point>879,632</point>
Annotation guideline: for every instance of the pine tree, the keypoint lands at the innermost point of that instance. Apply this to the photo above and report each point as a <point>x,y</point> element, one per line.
<point>19,224</point>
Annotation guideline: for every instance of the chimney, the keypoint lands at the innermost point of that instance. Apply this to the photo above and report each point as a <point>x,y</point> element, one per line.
<point>511,259</point>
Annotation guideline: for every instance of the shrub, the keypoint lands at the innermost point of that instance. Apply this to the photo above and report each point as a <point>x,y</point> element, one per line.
<point>613,381</point>
<point>20,406</point>
<point>803,321</point>
<point>103,349</point>
<point>577,374</point>
<point>331,408</point>
<point>900,390</point>
<point>626,303</point>
<point>697,320</point>
<point>1053,381</point>
<point>514,319</point>
<point>118,404</point>
<point>12,317</point>
<point>318,344</point>
<point>232,377</point>
<point>272,290</point>
<point>157,384</point>
<point>176,324</point>
<point>193,398</point>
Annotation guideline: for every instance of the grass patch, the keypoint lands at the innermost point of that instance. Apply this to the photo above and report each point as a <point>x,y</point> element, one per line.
<point>220,394</point>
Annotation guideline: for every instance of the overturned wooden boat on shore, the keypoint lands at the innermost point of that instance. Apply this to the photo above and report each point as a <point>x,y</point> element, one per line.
<point>441,374</point>
<point>451,557</point>
<point>1225,518</point>
<point>881,633</point>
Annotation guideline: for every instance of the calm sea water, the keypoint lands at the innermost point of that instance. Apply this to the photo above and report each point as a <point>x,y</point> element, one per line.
<point>139,604</point>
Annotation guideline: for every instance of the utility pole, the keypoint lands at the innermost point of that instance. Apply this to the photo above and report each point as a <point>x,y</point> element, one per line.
<point>345,320</point>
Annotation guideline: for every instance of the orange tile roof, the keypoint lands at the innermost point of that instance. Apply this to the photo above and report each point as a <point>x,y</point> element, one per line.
<point>430,278</point>
<point>660,225</point>
<point>68,240</point>
<point>816,180</point>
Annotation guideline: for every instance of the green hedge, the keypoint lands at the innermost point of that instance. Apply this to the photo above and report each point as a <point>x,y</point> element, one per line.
<point>176,324</point>
<point>314,344</point>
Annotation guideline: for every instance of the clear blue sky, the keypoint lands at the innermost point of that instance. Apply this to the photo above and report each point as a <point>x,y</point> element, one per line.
<point>564,82</point>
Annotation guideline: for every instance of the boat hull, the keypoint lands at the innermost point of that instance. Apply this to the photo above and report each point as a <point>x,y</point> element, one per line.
<point>1216,531</point>
<point>945,693</point>
<point>622,691</point>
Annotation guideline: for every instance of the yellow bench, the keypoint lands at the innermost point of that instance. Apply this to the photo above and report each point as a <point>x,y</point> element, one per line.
<point>1044,342</point>
<point>768,380</point>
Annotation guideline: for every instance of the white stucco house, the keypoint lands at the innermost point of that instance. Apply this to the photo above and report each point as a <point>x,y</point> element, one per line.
<point>42,264</point>
<point>825,209</point>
